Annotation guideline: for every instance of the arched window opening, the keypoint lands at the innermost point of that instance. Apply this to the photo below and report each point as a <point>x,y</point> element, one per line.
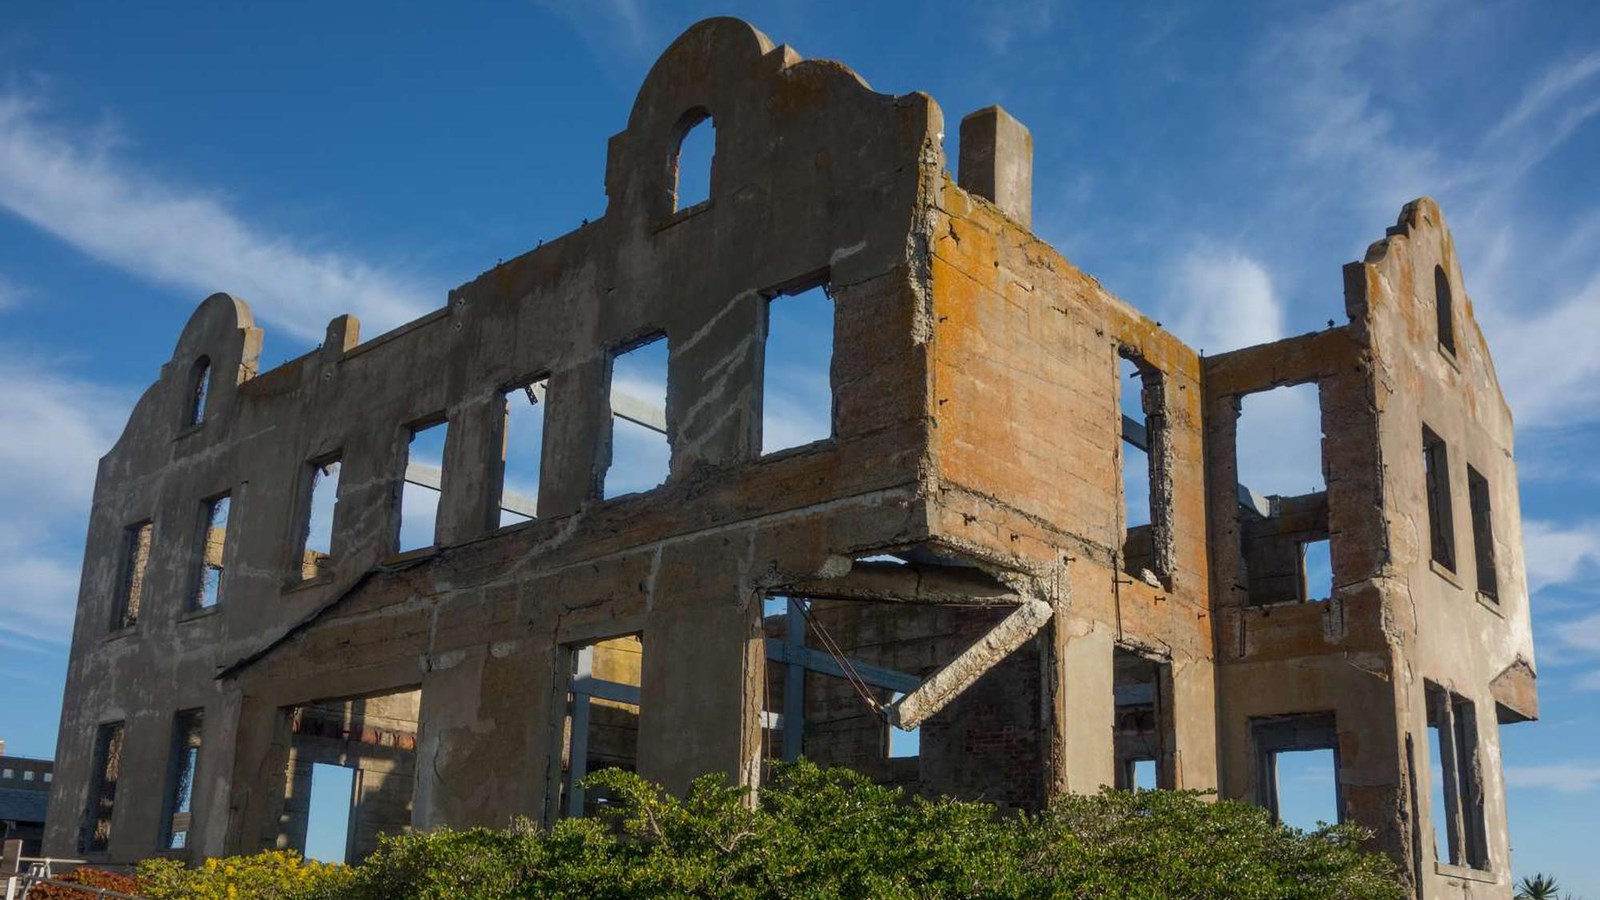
<point>1443,308</point>
<point>199,391</point>
<point>691,161</point>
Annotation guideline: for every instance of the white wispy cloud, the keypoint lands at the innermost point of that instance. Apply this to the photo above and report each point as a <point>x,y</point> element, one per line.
<point>1223,300</point>
<point>1561,79</point>
<point>1362,146</point>
<point>1555,553</point>
<point>71,183</point>
<point>53,430</point>
<point>1568,778</point>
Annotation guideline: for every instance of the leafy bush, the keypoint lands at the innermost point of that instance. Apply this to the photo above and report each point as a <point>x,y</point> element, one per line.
<point>833,833</point>
<point>829,833</point>
<point>88,877</point>
<point>262,876</point>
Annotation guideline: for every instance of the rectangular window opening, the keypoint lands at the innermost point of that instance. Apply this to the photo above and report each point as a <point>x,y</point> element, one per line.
<point>796,385</point>
<point>601,729</point>
<point>1482,534</point>
<point>181,779</point>
<point>1297,769</point>
<point>1282,495</point>
<point>96,837</point>
<point>640,455</point>
<point>1316,559</point>
<point>316,550</point>
<point>1456,787</point>
<point>333,791</point>
<point>1279,437</point>
<point>521,453</point>
<point>213,546</point>
<point>1441,527</point>
<point>1144,729</point>
<point>421,490</point>
<point>130,586</point>
<point>1145,494</point>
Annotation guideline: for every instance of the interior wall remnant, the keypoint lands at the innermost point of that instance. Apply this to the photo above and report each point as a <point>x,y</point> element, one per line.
<point>130,587</point>
<point>1145,720</point>
<point>601,728</point>
<point>374,735</point>
<point>96,836</point>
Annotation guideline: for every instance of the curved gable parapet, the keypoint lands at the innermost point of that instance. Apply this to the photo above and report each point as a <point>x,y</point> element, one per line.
<point>1407,272</point>
<point>768,106</point>
<point>220,346</point>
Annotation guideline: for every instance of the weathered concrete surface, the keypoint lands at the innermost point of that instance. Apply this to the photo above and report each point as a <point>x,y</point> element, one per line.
<point>973,473</point>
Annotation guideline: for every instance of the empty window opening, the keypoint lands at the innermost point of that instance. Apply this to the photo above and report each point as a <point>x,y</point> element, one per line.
<point>796,390</point>
<point>424,481</point>
<point>135,557</point>
<point>1146,493</point>
<point>333,790</point>
<point>96,835</point>
<point>1144,726</point>
<point>601,729</point>
<point>1141,775</point>
<point>28,775</point>
<point>1482,534</point>
<point>1316,560</point>
<point>1297,769</point>
<point>212,550</point>
<point>1441,524</point>
<point>640,456</point>
<point>521,452</point>
<point>316,548</point>
<point>691,164</point>
<point>1135,443</point>
<point>349,774</point>
<point>1456,784</point>
<point>183,763</point>
<point>1308,793</point>
<point>199,391</point>
<point>904,744</point>
<point>1444,309</point>
<point>1280,442</point>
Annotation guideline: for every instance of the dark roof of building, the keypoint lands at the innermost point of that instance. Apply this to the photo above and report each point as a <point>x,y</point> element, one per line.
<point>17,805</point>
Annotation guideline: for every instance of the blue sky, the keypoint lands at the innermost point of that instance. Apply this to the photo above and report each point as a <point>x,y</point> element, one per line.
<point>1214,167</point>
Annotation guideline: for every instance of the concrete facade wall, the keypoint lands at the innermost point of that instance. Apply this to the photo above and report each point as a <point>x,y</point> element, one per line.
<point>977,441</point>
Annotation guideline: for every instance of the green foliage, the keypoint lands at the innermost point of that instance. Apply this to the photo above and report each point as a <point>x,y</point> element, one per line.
<point>1540,886</point>
<point>271,874</point>
<point>832,833</point>
<point>828,833</point>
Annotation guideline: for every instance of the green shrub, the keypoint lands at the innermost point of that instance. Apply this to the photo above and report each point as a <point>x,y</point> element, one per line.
<point>263,876</point>
<point>833,833</point>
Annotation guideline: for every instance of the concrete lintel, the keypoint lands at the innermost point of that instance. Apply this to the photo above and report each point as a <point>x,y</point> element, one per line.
<point>960,673</point>
<point>897,583</point>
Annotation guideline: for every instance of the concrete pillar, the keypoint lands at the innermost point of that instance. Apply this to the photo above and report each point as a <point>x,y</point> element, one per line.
<point>700,709</point>
<point>1084,752</point>
<point>997,162</point>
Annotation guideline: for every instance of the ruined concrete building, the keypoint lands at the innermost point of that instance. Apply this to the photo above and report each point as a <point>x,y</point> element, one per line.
<point>955,557</point>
